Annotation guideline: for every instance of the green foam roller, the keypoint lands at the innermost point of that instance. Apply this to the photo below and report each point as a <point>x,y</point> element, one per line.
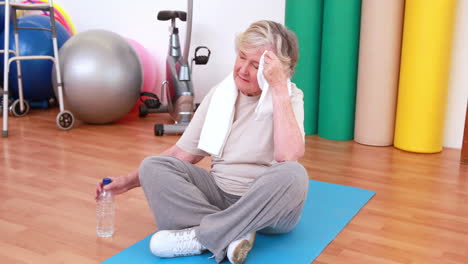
<point>340,47</point>
<point>305,18</point>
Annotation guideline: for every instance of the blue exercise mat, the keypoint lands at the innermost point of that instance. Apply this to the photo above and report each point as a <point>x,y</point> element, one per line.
<point>328,209</point>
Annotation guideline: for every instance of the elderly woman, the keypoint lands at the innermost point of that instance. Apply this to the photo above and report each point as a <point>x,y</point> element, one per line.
<point>255,183</point>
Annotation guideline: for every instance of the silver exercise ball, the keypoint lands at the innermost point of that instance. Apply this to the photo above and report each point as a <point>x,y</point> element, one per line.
<point>101,74</point>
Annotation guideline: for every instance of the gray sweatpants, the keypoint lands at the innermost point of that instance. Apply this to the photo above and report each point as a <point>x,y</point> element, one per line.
<point>182,195</point>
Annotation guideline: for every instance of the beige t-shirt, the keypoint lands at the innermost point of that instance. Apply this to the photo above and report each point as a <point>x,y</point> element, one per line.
<point>248,150</point>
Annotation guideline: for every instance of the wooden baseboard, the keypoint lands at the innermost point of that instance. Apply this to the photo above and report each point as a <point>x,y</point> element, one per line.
<point>464,152</point>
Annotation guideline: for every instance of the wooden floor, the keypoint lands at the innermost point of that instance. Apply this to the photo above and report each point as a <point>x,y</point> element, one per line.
<point>48,176</point>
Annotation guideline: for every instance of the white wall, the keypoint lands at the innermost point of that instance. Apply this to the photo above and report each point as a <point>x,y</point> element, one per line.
<point>458,86</point>
<point>215,24</point>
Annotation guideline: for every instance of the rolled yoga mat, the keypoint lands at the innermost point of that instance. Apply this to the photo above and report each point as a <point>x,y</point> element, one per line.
<point>340,41</point>
<point>305,17</point>
<point>378,71</point>
<point>425,61</point>
<point>458,84</point>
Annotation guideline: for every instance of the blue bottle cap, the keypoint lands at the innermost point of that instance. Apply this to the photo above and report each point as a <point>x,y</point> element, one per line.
<point>106,181</point>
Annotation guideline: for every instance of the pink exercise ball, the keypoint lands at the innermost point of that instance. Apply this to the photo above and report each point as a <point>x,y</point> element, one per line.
<point>148,64</point>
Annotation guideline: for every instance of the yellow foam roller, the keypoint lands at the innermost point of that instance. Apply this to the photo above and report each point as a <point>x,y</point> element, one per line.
<point>424,72</point>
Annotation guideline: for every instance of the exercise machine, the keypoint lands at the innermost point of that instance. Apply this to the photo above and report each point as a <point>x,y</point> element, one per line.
<point>177,96</point>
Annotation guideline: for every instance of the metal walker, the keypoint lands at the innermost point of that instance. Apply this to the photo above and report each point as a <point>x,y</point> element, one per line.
<point>20,107</point>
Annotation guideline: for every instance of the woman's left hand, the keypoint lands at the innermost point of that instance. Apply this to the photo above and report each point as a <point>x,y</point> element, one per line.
<point>274,73</point>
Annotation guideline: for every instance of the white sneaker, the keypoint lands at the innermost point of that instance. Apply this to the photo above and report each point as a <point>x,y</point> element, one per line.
<point>238,250</point>
<point>175,243</point>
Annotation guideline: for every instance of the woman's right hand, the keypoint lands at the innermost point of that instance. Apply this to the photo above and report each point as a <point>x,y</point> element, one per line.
<point>119,184</point>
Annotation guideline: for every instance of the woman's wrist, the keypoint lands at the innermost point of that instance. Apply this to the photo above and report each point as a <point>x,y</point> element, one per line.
<point>280,88</point>
<point>133,179</point>
<point>280,95</point>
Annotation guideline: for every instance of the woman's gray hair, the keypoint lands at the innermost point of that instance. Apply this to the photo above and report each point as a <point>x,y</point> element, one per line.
<point>270,33</point>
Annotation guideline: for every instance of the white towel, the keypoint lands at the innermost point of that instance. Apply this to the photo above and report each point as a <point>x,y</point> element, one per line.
<point>265,103</point>
<point>219,117</point>
<point>220,114</point>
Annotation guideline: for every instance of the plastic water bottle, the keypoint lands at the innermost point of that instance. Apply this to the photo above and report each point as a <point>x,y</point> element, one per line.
<point>105,212</point>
